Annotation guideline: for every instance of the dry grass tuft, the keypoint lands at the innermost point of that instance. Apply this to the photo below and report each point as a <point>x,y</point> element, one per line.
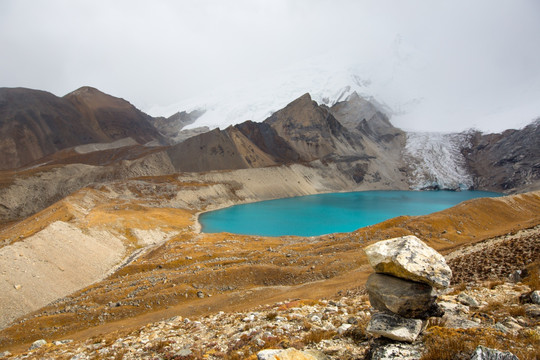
<point>306,325</point>
<point>533,276</point>
<point>459,344</point>
<point>357,333</point>
<point>494,283</point>
<point>316,336</point>
<point>436,322</point>
<point>159,347</point>
<point>271,315</point>
<point>500,310</point>
<point>458,288</point>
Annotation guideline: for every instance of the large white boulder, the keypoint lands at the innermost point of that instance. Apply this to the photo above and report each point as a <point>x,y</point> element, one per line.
<point>409,258</point>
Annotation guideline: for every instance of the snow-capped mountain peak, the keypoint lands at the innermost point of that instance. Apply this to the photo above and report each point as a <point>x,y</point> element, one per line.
<point>257,100</point>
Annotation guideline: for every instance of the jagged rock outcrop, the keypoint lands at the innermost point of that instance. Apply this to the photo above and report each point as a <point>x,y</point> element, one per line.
<point>505,161</point>
<point>173,126</point>
<point>302,132</point>
<point>36,123</point>
<point>312,131</point>
<point>360,115</point>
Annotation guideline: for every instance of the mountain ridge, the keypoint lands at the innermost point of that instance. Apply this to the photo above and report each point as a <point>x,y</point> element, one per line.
<point>35,123</point>
<point>367,153</point>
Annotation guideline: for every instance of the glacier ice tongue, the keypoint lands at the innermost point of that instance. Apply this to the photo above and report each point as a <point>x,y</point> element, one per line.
<point>436,160</point>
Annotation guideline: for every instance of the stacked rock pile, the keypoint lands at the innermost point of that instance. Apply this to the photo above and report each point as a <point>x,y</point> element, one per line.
<point>402,287</point>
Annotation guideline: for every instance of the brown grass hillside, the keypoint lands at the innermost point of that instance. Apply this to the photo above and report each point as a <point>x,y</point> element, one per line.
<point>194,274</point>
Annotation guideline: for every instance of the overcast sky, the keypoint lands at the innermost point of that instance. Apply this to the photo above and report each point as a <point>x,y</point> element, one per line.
<point>441,65</point>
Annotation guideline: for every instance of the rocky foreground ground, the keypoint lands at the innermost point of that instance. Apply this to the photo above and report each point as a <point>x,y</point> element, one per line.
<point>478,315</point>
<point>500,311</point>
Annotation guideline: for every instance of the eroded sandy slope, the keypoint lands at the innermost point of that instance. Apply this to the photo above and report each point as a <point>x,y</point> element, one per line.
<point>53,263</point>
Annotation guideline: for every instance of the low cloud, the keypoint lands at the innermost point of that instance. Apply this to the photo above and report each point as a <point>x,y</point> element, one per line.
<point>440,65</point>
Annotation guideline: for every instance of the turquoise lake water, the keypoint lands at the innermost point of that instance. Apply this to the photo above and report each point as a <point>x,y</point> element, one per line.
<point>329,213</point>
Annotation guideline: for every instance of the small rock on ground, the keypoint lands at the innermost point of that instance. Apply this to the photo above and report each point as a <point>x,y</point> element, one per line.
<point>484,353</point>
<point>37,344</point>
<point>397,351</point>
<point>289,354</point>
<point>394,327</point>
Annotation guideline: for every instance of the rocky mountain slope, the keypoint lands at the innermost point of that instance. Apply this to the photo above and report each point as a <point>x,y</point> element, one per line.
<point>302,132</point>
<point>357,136</point>
<point>34,124</point>
<point>510,160</point>
<point>114,117</point>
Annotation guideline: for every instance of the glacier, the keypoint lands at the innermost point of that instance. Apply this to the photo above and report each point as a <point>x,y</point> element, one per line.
<point>436,160</point>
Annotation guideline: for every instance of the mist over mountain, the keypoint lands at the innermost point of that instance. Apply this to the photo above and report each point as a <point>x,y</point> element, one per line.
<point>390,84</point>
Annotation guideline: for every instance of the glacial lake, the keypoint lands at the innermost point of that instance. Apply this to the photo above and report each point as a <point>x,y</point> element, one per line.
<point>329,213</point>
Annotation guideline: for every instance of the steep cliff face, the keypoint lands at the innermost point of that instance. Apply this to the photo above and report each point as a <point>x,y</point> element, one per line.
<point>312,131</point>
<point>506,161</point>
<point>367,151</point>
<point>267,139</point>
<point>218,150</point>
<point>35,123</point>
<point>381,159</point>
